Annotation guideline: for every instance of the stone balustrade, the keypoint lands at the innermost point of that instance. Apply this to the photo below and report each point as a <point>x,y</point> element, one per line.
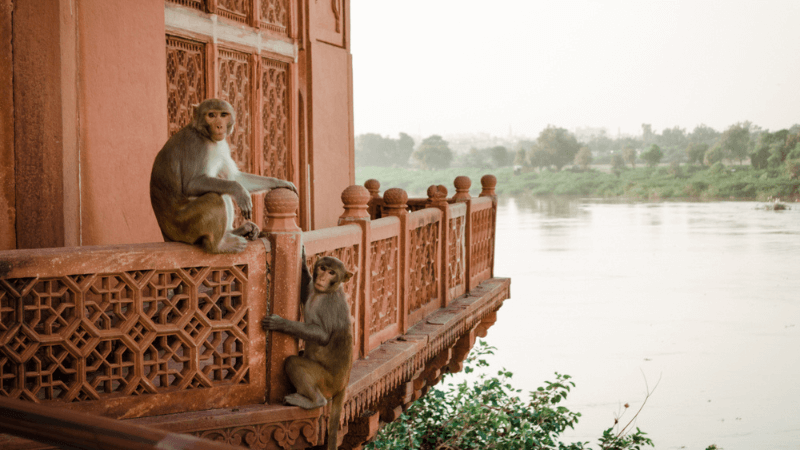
<point>166,334</point>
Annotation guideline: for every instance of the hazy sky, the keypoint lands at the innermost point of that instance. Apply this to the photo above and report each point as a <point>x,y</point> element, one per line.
<point>464,66</point>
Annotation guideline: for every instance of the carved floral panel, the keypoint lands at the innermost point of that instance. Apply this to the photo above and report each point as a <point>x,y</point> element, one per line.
<point>275,15</point>
<point>456,255</point>
<point>94,336</point>
<point>423,286</point>
<point>236,10</point>
<point>235,87</point>
<point>384,256</point>
<point>185,80</point>
<point>275,119</point>
<point>481,241</point>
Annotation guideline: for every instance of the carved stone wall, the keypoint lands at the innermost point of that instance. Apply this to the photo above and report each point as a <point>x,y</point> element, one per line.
<point>236,10</point>
<point>186,80</point>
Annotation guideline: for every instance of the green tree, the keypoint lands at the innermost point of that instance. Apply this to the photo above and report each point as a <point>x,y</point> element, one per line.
<point>405,147</point>
<point>520,158</point>
<point>375,150</point>
<point>714,155</point>
<point>583,158</point>
<point>629,155</point>
<point>704,134</point>
<point>674,137</point>
<point>735,140</point>
<point>500,156</point>
<point>490,413</point>
<point>653,155</point>
<point>695,152</point>
<point>433,153</point>
<point>648,136</point>
<point>617,162</point>
<point>557,147</point>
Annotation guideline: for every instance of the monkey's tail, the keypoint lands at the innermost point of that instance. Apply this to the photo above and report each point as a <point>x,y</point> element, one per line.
<point>337,402</point>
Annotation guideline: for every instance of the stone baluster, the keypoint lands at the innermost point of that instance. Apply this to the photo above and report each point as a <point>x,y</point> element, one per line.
<point>396,205</point>
<point>375,201</point>
<point>488,184</point>
<point>286,242</point>
<point>356,199</point>
<point>462,185</point>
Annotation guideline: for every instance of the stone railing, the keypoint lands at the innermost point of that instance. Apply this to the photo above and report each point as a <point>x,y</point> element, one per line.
<point>147,330</point>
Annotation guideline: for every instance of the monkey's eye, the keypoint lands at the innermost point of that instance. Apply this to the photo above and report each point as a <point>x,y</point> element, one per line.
<point>211,114</point>
<point>332,272</point>
<point>224,114</point>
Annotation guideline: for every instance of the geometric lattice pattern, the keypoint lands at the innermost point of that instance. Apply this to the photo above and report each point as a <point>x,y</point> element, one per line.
<point>235,88</point>
<point>423,285</point>
<point>275,15</point>
<point>456,238</point>
<point>481,241</point>
<point>384,260</point>
<point>236,10</point>
<point>88,337</point>
<point>185,80</point>
<point>275,119</point>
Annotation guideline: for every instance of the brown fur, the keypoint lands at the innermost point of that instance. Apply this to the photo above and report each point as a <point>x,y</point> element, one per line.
<point>194,181</point>
<point>323,371</point>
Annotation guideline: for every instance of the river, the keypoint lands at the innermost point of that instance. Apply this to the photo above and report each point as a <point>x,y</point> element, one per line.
<point>704,297</point>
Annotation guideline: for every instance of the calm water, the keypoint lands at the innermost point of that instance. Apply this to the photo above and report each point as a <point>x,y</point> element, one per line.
<point>704,296</point>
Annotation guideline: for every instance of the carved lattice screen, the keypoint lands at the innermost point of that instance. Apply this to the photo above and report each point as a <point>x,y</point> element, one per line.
<point>186,85</point>
<point>275,15</point>
<point>385,262</point>
<point>110,336</point>
<point>481,241</point>
<point>275,120</point>
<point>456,238</point>
<point>196,4</point>
<point>235,87</point>
<point>423,286</point>
<point>236,10</point>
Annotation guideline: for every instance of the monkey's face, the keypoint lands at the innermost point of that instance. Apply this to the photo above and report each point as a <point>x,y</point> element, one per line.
<point>326,278</point>
<point>217,122</point>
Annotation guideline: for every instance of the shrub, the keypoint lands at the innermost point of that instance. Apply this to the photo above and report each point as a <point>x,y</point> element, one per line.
<point>490,413</point>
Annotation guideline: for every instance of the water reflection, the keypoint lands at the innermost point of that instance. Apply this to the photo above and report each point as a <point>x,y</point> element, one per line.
<point>704,295</point>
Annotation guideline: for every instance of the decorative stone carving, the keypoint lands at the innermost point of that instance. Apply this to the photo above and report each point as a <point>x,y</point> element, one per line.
<point>355,199</point>
<point>186,77</point>
<point>462,185</point>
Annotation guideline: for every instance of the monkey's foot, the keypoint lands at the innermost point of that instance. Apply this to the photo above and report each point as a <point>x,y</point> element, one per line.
<point>232,244</point>
<point>248,231</point>
<point>303,402</point>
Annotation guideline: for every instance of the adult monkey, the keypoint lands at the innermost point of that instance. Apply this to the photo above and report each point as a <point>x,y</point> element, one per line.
<point>323,370</point>
<point>195,181</point>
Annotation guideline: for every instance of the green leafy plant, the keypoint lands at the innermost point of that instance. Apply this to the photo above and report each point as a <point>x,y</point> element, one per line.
<point>490,413</point>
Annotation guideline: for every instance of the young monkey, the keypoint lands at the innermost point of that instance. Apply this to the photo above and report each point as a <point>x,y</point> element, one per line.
<point>195,181</point>
<point>323,371</point>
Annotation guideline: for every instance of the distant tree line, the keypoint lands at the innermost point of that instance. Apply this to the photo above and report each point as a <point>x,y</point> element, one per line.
<point>556,148</point>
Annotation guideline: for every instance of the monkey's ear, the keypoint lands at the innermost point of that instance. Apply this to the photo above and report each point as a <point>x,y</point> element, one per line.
<point>347,276</point>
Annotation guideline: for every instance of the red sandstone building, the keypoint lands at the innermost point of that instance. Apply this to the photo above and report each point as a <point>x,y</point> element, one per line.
<point>99,317</point>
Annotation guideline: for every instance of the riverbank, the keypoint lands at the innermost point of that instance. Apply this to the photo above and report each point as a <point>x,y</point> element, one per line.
<point>641,183</point>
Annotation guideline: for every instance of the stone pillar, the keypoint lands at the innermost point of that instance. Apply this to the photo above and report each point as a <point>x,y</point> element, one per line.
<point>462,185</point>
<point>488,184</point>
<point>375,201</point>
<point>285,239</point>
<point>437,198</point>
<point>396,205</point>
<point>355,199</point>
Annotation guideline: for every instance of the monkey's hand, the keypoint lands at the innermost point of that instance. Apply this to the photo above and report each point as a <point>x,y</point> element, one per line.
<point>273,322</point>
<point>289,185</point>
<point>243,201</point>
